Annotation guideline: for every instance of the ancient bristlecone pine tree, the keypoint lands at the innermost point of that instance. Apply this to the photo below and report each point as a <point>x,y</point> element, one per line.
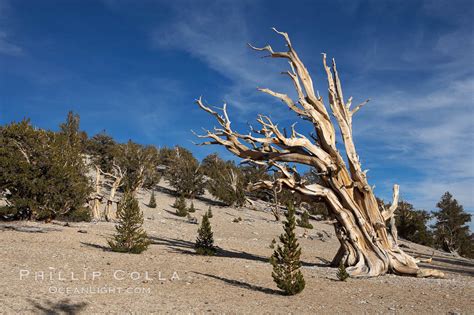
<point>366,246</point>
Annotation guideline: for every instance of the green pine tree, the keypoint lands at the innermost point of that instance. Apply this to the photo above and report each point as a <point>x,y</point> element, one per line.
<point>183,171</point>
<point>304,221</point>
<point>205,240</point>
<point>44,172</point>
<point>451,232</point>
<point>209,213</point>
<point>180,206</point>
<point>224,180</point>
<point>342,273</point>
<point>272,244</point>
<point>152,202</point>
<point>191,208</point>
<point>130,236</point>
<point>412,224</point>
<point>286,260</point>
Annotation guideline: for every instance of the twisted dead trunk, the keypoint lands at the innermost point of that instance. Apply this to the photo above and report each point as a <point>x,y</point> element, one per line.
<point>117,177</point>
<point>367,247</point>
<point>96,199</point>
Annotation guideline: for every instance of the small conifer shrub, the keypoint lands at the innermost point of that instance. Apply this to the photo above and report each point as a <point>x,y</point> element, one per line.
<point>286,258</point>
<point>209,213</point>
<point>180,206</point>
<point>179,202</point>
<point>304,221</point>
<point>130,236</point>
<point>152,202</point>
<point>342,273</point>
<point>191,208</point>
<point>237,220</point>
<point>272,244</point>
<point>205,240</point>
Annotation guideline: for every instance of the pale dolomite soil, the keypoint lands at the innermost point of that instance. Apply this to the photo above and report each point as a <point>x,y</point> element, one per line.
<point>169,278</point>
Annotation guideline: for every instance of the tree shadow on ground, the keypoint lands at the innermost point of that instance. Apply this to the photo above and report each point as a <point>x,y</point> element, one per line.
<point>207,200</point>
<point>448,269</point>
<point>104,248</point>
<point>241,284</point>
<point>174,214</point>
<point>324,261</point>
<point>215,203</point>
<point>165,190</point>
<point>61,307</point>
<point>179,218</point>
<point>27,229</point>
<point>187,247</point>
<point>453,265</point>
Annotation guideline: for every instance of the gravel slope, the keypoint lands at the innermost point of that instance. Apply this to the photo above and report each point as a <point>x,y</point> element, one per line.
<point>169,278</point>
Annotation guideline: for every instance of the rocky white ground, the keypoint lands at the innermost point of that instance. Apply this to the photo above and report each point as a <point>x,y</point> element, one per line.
<point>48,268</point>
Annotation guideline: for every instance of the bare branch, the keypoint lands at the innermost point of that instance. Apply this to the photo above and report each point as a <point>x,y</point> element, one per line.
<point>367,249</point>
<point>22,151</point>
<point>358,107</point>
<point>287,100</point>
<point>387,214</point>
<point>295,149</point>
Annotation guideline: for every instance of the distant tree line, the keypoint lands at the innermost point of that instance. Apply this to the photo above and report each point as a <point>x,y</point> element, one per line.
<point>450,231</point>
<point>43,174</point>
<point>47,175</point>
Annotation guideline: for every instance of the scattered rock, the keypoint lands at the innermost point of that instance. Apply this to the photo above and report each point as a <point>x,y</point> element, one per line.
<point>192,220</point>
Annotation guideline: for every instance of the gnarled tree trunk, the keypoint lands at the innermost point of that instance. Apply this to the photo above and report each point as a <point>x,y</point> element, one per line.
<point>276,206</point>
<point>117,180</point>
<point>366,246</point>
<point>97,197</point>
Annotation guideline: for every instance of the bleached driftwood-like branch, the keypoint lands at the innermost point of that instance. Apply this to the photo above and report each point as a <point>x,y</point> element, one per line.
<point>366,246</point>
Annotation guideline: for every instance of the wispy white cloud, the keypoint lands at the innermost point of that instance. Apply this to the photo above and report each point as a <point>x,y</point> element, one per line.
<point>7,47</point>
<point>431,132</point>
<point>217,35</point>
<point>428,128</point>
<point>7,44</point>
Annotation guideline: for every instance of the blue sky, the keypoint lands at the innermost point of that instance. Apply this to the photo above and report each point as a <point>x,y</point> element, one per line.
<point>134,68</point>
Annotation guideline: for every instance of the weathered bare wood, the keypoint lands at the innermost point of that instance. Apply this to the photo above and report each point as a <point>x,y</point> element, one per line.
<point>22,151</point>
<point>96,215</point>
<point>117,176</point>
<point>367,247</point>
